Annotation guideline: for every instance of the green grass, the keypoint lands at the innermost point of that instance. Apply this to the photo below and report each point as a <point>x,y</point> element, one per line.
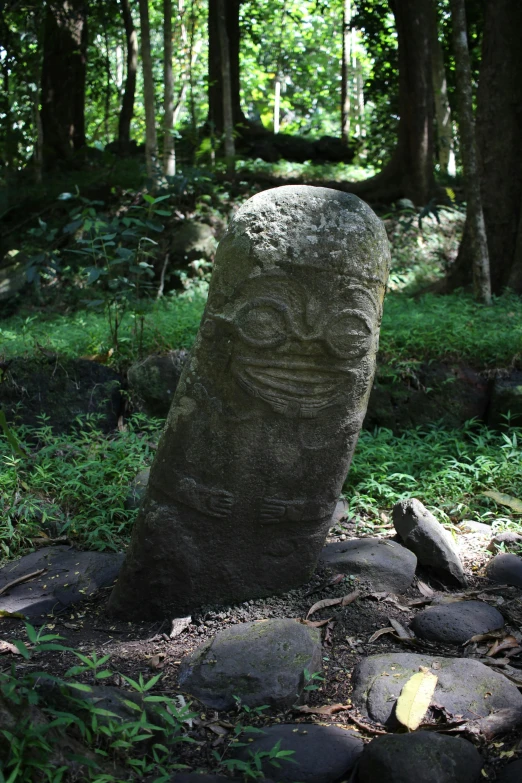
<point>446,469</point>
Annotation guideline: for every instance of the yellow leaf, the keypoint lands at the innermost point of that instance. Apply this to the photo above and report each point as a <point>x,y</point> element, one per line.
<point>415,699</point>
<point>505,500</point>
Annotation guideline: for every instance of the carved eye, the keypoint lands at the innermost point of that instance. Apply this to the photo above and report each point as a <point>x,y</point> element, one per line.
<point>349,334</point>
<point>262,322</point>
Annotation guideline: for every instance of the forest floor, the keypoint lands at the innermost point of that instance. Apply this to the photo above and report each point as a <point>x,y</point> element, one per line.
<point>146,649</point>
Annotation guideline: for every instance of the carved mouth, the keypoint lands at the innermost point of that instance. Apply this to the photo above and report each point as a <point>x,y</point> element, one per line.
<point>294,387</point>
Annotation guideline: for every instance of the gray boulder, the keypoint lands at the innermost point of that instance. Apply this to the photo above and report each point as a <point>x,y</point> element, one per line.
<point>137,489</point>
<point>70,576</point>
<point>154,380</point>
<point>505,569</point>
<point>506,398</point>
<point>321,754</point>
<point>192,241</point>
<point>508,539</point>
<point>259,662</point>
<point>512,773</point>
<point>465,686</point>
<point>422,756</point>
<point>383,565</point>
<point>433,545</point>
<point>457,622</point>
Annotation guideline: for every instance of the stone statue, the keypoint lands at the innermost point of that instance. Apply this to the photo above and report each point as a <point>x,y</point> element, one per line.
<point>265,419</point>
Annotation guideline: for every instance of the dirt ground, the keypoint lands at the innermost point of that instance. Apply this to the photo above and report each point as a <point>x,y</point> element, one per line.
<point>148,649</point>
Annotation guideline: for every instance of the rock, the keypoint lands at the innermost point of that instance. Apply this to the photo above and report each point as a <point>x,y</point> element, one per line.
<point>340,512</point>
<point>12,275</point>
<point>62,389</point>
<point>465,686</point>
<point>268,409</point>
<point>434,547</point>
<point>384,565</point>
<point>506,400</point>
<point>508,538</point>
<point>457,622</point>
<point>259,662</point>
<point>322,754</point>
<point>512,773</point>
<point>422,756</point>
<point>191,241</point>
<point>70,576</point>
<point>193,777</point>
<point>154,380</point>
<point>435,391</point>
<point>137,489</point>
<point>505,569</point>
<point>480,528</point>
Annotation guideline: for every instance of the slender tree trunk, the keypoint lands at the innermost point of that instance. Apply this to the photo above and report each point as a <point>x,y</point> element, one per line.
<point>228,116</point>
<point>474,213</point>
<point>127,104</point>
<point>410,171</point>
<point>215,84</point>
<point>445,152</point>
<point>169,155</point>
<point>277,102</point>
<point>151,145</point>
<point>63,79</point>
<point>345,71</point>
<point>498,135</point>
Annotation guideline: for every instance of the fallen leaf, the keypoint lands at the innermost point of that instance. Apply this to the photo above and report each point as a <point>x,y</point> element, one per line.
<point>157,661</point>
<point>7,647</point>
<point>328,636</point>
<point>392,599</point>
<point>316,623</point>
<point>505,500</point>
<point>485,637</point>
<point>178,625</point>
<point>323,605</point>
<point>415,699</point>
<point>502,644</point>
<point>425,589</point>
<point>350,598</point>
<point>380,632</point>
<point>328,709</point>
<point>403,632</point>
<point>217,729</point>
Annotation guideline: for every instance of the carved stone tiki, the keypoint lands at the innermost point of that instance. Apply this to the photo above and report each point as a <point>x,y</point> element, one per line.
<point>265,419</point>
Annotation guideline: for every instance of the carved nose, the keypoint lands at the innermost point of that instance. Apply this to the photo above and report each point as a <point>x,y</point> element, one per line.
<point>311,345</point>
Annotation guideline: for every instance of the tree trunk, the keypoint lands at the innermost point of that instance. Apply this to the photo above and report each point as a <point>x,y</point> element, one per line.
<point>474,213</point>
<point>409,173</point>
<point>228,115</point>
<point>169,155</point>
<point>151,145</point>
<point>445,152</point>
<point>499,100</point>
<point>345,69</point>
<point>63,79</point>
<point>127,104</point>
<point>215,85</point>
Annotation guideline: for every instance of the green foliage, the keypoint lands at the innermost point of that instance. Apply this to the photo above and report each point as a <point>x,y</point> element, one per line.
<point>141,745</point>
<point>72,485</point>
<point>445,469</point>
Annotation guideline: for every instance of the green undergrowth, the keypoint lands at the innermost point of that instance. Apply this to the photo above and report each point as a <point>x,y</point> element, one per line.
<point>448,470</point>
<point>430,327</point>
<point>75,485</point>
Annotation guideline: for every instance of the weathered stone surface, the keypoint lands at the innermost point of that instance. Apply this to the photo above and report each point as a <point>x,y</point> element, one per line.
<point>512,773</point>
<point>506,399</point>
<point>479,528</point>
<point>465,686</point>
<point>153,381</point>
<point>384,565</point>
<point>456,623</point>
<point>193,777</point>
<point>434,547</point>
<point>322,754</point>
<point>265,419</point>
<point>62,389</point>
<point>259,662</point>
<point>70,576</point>
<point>192,241</point>
<point>505,569</point>
<point>422,756</point>
<point>137,489</point>
<point>508,538</point>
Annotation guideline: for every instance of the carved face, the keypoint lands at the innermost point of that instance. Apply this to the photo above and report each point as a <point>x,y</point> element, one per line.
<point>301,347</point>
